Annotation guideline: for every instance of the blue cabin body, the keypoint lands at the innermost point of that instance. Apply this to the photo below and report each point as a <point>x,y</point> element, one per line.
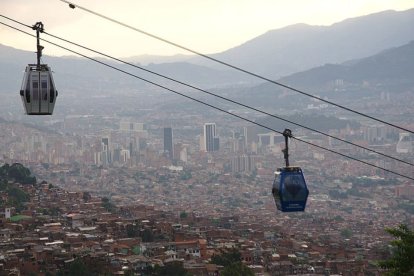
<point>289,189</point>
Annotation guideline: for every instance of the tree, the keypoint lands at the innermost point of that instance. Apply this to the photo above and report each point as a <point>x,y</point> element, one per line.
<point>17,172</point>
<point>110,207</point>
<point>237,269</point>
<point>231,261</point>
<point>183,215</point>
<point>133,230</point>
<point>21,174</point>
<point>4,170</point>
<point>147,235</point>
<point>128,273</point>
<point>86,196</point>
<point>185,175</point>
<point>16,197</point>
<point>401,262</point>
<point>346,233</point>
<point>227,258</point>
<point>19,194</point>
<point>78,268</point>
<point>171,269</point>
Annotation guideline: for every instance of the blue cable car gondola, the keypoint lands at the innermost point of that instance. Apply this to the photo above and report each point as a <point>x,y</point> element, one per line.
<point>289,187</point>
<point>38,91</point>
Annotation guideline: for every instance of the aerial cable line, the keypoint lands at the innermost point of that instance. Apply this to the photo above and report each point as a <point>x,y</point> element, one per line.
<point>218,96</point>
<point>18,22</point>
<point>233,101</point>
<point>210,105</point>
<point>72,5</point>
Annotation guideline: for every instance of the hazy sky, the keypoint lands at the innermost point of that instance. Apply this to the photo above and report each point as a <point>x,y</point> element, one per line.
<point>207,26</point>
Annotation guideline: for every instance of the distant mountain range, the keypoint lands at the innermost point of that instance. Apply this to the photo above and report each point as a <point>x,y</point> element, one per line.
<point>391,71</point>
<point>392,67</point>
<point>300,47</point>
<point>274,54</point>
<point>73,73</point>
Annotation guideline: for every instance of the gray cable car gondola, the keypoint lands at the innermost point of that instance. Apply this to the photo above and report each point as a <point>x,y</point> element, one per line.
<point>38,91</point>
<point>289,187</point>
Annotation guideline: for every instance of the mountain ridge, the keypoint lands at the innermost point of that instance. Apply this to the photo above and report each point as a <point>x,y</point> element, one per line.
<point>394,64</point>
<point>275,54</point>
<point>298,47</point>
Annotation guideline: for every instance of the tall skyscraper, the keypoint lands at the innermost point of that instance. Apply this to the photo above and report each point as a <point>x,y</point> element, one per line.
<point>211,140</point>
<point>106,151</point>
<point>243,163</point>
<point>131,126</point>
<point>168,142</point>
<point>239,141</point>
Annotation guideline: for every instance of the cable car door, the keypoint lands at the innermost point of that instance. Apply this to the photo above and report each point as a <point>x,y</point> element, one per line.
<point>35,91</point>
<point>43,93</point>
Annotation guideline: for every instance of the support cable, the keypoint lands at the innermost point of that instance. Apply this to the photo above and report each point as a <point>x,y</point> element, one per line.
<point>230,100</point>
<point>221,97</point>
<point>72,5</point>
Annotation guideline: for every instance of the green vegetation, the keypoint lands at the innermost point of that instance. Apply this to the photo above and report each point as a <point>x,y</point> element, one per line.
<point>109,206</point>
<point>171,269</point>
<point>15,196</point>
<point>185,175</point>
<point>86,196</point>
<point>183,215</point>
<point>133,230</point>
<point>346,233</point>
<point>407,206</point>
<point>227,258</point>
<point>401,261</point>
<point>163,179</point>
<point>357,193</point>
<point>147,235</point>
<point>365,181</point>
<point>354,191</point>
<point>79,268</point>
<point>53,211</point>
<point>83,267</point>
<point>18,218</point>
<point>18,194</point>
<point>236,269</point>
<point>347,209</point>
<point>335,194</point>
<point>136,230</point>
<point>18,173</point>
<point>231,261</point>
<point>138,175</point>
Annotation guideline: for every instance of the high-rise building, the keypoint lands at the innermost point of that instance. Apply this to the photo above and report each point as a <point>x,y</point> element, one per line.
<point>243,163</point>
<point>131,126</point>
<point>405,143</point>
<point>106,151</point>
<point>216,142</point>
<point>180,152</point>
<point>211,141</point>
<point>125,156</point>
<point>168,142</point>
<point>239,141</point>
